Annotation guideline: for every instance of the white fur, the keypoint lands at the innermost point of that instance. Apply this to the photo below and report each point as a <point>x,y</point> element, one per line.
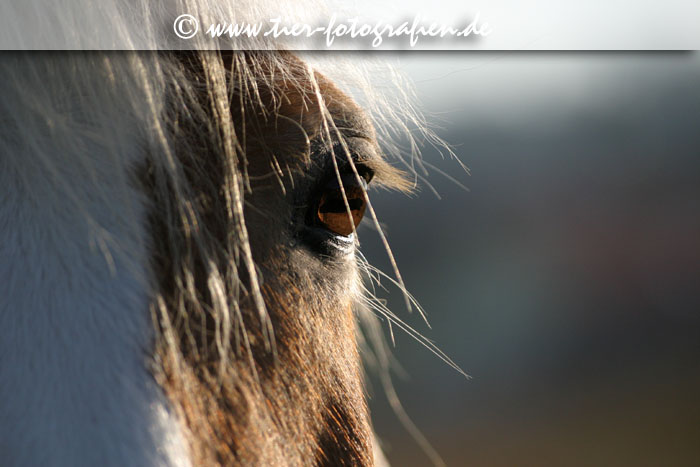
<point>75,329</point>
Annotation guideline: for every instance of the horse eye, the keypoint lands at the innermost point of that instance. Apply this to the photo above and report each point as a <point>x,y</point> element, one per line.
<point>332,211</point>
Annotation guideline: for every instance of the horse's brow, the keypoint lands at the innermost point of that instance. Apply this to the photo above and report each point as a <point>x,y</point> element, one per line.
<point>369,154</point>
<point>359,135</point>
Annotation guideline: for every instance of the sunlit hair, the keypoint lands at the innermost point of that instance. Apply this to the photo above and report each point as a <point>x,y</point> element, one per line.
<point>165,122</point>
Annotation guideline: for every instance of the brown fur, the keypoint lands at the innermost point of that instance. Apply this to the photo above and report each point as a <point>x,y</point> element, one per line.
<point>249,396</point>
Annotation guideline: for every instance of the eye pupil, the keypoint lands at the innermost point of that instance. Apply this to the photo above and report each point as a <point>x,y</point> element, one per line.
<point>333,212</point>
<point>336,205</point>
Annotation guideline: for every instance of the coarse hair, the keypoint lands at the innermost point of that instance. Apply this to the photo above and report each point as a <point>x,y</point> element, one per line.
<point>181,127</point>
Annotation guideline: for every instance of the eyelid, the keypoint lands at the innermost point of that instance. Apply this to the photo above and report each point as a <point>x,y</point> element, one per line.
<point>365,172</point>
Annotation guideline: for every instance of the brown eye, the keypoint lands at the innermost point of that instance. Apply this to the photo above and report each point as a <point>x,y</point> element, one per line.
<point>332,211</point>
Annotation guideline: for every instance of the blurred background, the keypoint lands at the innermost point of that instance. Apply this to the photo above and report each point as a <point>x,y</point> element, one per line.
<point>566,280</point>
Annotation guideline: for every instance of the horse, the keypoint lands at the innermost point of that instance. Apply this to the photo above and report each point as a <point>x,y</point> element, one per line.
<point>180,278</point>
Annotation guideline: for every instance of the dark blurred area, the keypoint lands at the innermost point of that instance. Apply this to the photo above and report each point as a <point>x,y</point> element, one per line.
<point>566,281</point>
